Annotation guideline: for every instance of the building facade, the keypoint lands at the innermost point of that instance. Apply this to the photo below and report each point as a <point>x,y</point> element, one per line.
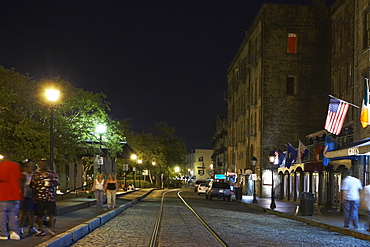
<point>278,86</point>
<point>219,156</point>
<point>200,165</point>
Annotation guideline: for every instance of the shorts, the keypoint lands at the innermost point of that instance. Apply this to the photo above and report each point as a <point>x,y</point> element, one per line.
<point>41,207</point>
<point>27,205</point>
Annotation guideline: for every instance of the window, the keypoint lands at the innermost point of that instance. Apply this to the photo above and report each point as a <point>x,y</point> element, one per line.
<point>290,85</point>
<point>292,43</point>
<point>367,30</point>
<point>200,159</point>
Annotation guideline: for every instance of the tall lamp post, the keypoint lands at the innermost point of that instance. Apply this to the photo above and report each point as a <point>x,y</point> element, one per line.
<point>101,129</point>
<point>272,159</point>
<point>52,95</point>
<point>140,162</point>
<point>134,157</point>
<point>254,162</point>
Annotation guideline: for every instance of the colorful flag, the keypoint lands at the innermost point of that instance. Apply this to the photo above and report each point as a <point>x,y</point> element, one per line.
<point>302,151</point>
<point>330,144</point>
<point>291,156</point>
<point>365,118</point>
<point>316,153</point>
<point>336,114</point>
<point>279,158</point>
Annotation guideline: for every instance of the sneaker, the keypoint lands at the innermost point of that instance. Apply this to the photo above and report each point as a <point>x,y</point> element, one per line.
<point>3,238</point>
<point>52,232</point>
<point>40,233</point>
<point>32,231</point>
<point>21,231</point>
<point>14,236</point>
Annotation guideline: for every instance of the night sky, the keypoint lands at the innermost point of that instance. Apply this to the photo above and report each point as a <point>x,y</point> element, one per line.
<point>155,60</point>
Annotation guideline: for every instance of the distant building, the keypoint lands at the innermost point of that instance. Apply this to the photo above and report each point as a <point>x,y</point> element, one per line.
<point>199,164</point>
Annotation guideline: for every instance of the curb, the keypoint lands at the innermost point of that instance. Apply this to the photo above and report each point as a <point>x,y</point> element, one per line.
<point>72,235</point>
<point>344,231</point>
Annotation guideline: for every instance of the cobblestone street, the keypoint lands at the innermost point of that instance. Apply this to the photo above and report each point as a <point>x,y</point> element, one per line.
<point>236,224</point>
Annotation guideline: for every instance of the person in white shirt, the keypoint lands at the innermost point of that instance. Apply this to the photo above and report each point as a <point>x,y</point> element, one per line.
<point>98,188</point>
<point>350,189</point>
<point>365,204</point>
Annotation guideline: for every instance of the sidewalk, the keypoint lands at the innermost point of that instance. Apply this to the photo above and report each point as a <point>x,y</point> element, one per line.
<point>76,217</point>
<point>324,218</point>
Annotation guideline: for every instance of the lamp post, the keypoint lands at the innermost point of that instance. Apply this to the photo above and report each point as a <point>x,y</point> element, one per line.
<point>140,162</point>
<point>254,162</point>
<point>272,159</point>
<point>150,175</point>
<point>101,129</point>
<point>52,95</point>
<point>134,157</point>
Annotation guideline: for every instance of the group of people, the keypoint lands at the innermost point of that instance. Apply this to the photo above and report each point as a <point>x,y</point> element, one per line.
<point>109,187</point>
<point>26,192</point>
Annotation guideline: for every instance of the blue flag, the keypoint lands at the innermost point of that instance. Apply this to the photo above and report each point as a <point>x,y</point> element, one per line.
<point>291,156</point>
<point>329,145</point>
<point>280,157</point>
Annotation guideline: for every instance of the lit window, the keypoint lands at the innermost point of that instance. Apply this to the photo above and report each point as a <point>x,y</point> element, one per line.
<point>292,43</point>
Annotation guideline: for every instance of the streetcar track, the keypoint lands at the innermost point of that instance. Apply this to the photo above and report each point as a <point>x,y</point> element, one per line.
<point>157,225</point>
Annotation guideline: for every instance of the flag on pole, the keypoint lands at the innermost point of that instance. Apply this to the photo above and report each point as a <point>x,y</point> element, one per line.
<point>302,151</point>
<point>365,118</point>
<point>336,114</point>
<point>316,153</point>
<point>329,145</point>
<point>291,156</point>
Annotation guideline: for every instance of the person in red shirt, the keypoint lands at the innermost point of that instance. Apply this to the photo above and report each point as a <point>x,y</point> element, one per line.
<point>10,197</point>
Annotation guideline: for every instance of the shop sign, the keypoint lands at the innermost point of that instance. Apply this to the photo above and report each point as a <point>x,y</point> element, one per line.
<point>353,151</point>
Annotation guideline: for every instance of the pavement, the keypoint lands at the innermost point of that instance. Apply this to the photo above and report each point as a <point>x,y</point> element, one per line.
<point>76,217</point>
<point>331,219</point>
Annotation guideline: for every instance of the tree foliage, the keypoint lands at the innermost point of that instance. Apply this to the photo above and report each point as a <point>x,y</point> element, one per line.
<point>25,126</point>
<point>25,119</point>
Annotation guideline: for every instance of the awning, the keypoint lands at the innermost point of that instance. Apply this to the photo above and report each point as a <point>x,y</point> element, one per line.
<point>317,134</point>
<point>360,147</point>
<point>306,167</point>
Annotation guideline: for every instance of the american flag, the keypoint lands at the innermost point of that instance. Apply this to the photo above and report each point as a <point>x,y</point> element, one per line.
<point>336,114</point>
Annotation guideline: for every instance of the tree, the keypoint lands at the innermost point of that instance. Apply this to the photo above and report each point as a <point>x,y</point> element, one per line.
<point>25,120</point>
<point>22,132</point>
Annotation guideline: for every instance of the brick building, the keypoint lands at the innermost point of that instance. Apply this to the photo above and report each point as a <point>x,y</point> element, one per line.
<point>278,86</point>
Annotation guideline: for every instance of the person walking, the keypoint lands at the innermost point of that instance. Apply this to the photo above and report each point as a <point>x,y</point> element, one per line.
<point>43,184</point>
<point>350,191</point>
<point>110,188</point>
<point>98,188</point>
<point>10,197</point>
<point>365,204</point>
<point>27,205</point>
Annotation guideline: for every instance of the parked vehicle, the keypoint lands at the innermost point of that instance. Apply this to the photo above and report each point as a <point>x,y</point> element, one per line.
<point>220,190</point>
<point>197,183</point>
<point>202,188</point>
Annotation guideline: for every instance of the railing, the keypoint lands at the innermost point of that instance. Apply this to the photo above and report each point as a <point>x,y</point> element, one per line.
<point>76,190</point>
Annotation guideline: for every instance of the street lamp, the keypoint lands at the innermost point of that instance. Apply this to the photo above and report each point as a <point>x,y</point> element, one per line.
<point>272,159</point>
<point>101,129</point>
<point>254,162</point>
<point>52,95</point>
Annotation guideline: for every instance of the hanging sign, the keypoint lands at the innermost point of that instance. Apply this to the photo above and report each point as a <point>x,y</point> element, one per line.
<point>101,161</point>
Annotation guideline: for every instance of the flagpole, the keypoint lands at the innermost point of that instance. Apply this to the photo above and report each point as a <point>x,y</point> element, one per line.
<point>343,101</point>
